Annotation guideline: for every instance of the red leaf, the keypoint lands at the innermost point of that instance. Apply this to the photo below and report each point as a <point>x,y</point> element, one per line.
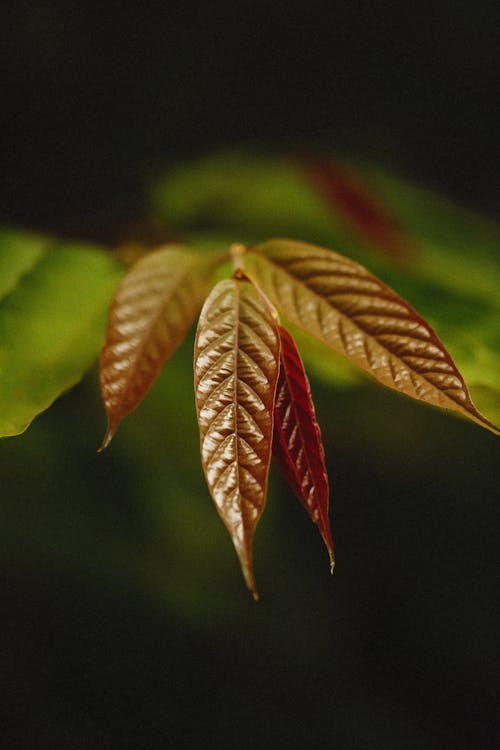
<point>343,190</point>
<point>297,444</point>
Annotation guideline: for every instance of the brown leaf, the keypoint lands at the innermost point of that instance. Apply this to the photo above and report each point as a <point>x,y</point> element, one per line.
<point>345,306</point>
<point>297,444</point>
<point>152,310</point>
<point>236,367</point>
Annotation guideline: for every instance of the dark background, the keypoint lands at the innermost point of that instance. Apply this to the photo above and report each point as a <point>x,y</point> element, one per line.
<point>95,99</point>
<point>114,633</point>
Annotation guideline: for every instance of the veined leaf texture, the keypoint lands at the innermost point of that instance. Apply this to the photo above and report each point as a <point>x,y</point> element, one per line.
<point>236,368</point>
<point>341,303</point>
<point>251,390</point>
<point>153,308</point>
<point>297,445</point>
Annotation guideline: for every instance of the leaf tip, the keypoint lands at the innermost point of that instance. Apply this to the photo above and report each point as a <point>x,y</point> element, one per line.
<point>493,428</point>
<point>481,420</point>
<point>245,558</point>
<point>327,538</point>
<point>249,579</point>
<point>108,437</point>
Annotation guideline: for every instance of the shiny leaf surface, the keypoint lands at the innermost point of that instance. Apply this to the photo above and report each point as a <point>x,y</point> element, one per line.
<point>441,257</point>
<point>153,308</point>
<point>297,444</point>
<point>236,368</point>
<point>350,310</point>
<point>54,298</point>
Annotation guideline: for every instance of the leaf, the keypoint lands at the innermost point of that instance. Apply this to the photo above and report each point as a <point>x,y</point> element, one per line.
<point>350,310</point>
<point>247,195</point>
<point>52,320</point>
<point>343,190</point>
<point>153,309</point>
<point>236,368</point>
<point>457,248</point>
<point>297,444</point>
<point>19,253</point>
<point>255,195</point>
<point>450,260</point>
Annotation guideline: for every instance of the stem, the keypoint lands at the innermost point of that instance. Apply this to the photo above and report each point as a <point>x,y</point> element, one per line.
<point>237,251</point>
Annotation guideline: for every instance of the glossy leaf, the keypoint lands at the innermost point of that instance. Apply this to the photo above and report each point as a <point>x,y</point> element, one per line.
<point>236,368</point>
<point>350,310</point>
<point>153,308</point>
<point>253,195</point>
<point>52,320</point>
<point>442,258</point>
<point>297,444</point>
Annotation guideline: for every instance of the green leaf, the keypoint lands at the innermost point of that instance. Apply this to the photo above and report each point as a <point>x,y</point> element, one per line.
<point>456,246</point>
<point>247,196</point>
<point>19,252</point>
<point>52,319</point>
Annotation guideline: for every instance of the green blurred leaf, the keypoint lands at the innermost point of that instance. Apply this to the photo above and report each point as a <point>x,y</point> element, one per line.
<point>457,247</point>
<point>52,315</point>
<point>19,252</point>
<point>250,197</point>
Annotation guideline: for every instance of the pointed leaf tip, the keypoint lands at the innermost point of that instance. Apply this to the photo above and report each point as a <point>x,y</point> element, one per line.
<point>108,437</point>
<point>297,444</point>
<point>236,370</point>
<point>339,302</point>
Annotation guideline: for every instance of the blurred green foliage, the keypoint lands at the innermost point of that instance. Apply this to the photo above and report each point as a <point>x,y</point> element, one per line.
<point>53,303</point>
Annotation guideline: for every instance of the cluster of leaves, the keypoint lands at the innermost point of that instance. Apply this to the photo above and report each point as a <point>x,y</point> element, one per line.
<point>252,392</point>
<point>443,258</point>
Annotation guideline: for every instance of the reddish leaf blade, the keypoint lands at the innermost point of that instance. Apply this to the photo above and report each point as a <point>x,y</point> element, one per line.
<point>342,304</point>
<point>344,192</point>
<point>236,368</point>
<point>153,308</point>
<point>297,444</point>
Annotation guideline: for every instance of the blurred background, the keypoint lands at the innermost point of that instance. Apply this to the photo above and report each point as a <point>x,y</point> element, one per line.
<point>125,621</point>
